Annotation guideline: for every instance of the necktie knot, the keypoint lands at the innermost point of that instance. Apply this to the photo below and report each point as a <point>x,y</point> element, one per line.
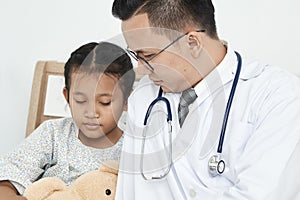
<point>187,97</point>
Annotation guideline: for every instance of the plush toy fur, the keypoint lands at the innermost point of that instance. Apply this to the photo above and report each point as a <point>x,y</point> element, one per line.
<point>98,184</point>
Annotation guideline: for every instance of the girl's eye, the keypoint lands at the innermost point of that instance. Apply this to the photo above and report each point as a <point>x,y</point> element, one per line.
<point>80,102</point>
<point>105,103</point>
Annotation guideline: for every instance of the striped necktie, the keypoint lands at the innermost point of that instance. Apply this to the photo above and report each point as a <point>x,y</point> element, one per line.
<point>187,97</point>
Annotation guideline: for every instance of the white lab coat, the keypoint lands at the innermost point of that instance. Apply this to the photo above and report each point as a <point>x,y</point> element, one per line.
<point>262,132</point>
<point>289,184</point>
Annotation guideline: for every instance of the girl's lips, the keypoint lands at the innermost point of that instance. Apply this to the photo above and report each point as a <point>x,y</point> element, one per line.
<point>91,126</point>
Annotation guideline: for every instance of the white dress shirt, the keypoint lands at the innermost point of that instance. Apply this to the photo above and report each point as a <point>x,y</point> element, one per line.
<point>262,132</point>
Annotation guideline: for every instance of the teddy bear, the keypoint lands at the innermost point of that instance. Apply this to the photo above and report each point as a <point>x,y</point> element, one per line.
<point>94,185</point>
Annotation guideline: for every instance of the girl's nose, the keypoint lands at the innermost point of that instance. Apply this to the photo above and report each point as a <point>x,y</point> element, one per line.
<point>91,112</point>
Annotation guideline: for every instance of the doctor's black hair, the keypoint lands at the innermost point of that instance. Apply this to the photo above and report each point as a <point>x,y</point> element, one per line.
<point>170,14</point>
<point>103,57</point>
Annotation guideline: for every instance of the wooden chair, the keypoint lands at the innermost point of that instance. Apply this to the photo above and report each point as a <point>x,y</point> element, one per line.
<point>43,70</point>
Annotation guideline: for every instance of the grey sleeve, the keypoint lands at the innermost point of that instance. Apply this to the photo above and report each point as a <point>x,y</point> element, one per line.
<point>27,162</point>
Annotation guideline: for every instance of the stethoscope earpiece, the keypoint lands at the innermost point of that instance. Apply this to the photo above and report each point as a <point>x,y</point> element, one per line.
<point>216,165</point>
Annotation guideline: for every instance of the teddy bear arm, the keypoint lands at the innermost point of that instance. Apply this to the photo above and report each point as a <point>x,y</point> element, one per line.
<point>43,188</point>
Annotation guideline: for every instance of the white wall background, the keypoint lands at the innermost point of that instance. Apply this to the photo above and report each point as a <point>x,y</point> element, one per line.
<point>35,30</point>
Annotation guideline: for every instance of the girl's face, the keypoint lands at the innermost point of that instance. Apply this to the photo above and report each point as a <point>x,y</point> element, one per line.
<point>96,103</point>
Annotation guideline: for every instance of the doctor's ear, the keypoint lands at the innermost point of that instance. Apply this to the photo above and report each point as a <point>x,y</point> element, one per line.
<point>194,43</point>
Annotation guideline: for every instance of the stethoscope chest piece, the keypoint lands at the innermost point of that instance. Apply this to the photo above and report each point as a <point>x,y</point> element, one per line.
<point>216,165</point>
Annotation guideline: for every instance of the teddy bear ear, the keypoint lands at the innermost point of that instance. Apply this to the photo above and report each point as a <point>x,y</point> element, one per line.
<point>110,167</point>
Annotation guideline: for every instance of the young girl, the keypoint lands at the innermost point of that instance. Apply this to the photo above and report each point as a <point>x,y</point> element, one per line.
<point>98,81</point>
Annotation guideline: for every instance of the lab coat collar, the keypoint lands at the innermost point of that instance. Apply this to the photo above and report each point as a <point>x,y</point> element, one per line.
<point>250,68</point>
<point>224,73</point>
<point>216,79</point>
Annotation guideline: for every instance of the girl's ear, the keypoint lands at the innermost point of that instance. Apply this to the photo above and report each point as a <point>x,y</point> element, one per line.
<point>66,94</point>
<point>195,43</point>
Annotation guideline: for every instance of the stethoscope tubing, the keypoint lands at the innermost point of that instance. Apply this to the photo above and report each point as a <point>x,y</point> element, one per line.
<point>169,121</point>
<point>159,98</point>
<point>229,102</point>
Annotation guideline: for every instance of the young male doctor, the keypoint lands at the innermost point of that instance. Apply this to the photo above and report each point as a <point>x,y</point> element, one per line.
<point>235,122</point>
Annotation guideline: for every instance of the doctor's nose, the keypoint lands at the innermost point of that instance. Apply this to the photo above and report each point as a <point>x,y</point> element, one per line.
<point>143,68</point>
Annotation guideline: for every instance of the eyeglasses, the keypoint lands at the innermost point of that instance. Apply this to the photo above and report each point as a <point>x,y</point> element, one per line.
<point>135,56</point>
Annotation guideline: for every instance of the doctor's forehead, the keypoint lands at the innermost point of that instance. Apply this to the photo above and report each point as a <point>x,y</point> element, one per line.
<point>143,37</point>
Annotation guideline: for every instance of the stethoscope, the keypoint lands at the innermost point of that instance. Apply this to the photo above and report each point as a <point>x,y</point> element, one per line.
<point>216,165</point>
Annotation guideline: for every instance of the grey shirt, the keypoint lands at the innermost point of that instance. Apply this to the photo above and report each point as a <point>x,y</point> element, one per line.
<point>53,149</point>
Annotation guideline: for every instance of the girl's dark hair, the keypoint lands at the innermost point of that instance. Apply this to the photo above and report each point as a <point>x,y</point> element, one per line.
<point>103,57</point>
<point>170,14</point>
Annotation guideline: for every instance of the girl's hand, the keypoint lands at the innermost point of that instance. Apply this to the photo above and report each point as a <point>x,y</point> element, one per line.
<point>9,192</point>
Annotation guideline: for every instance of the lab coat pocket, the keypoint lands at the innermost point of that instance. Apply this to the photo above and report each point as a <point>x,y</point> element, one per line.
<point>237,136</point>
